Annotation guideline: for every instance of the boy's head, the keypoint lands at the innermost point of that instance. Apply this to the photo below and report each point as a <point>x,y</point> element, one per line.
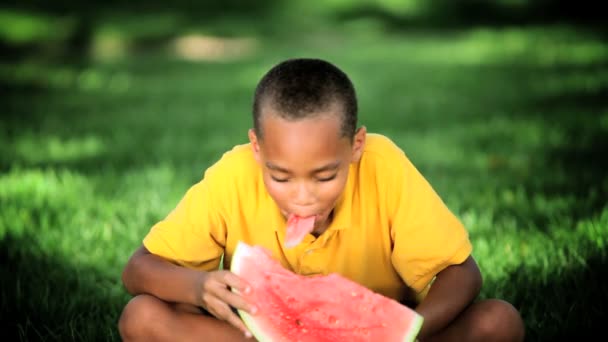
<point>302,88</point>
<point>305,136</point>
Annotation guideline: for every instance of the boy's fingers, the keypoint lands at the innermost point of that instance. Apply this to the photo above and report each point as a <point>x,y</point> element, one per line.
<point>233,281</point>
<point>238,323</point>
<point>220,308</point>
<point>236,301</point>
<point>222,311</point>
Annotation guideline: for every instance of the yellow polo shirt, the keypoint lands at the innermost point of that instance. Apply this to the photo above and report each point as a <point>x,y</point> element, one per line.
<point>390,228</point>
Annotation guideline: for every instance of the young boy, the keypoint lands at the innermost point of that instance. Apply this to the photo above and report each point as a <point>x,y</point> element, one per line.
<point>377,221</point>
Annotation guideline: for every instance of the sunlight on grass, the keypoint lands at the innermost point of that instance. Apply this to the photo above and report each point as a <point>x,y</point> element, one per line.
<point>117,40</point>
<point>491,46</point>
<point>589,81</point>
<point>396,7</point>
<point>208,48</point>
<point>31,74</point>
<point>507,145</point>
<point>40,202</point>
<point>148,25</point>
<point>109,45</point>
<point>19,27</point>
<point>562,247</point>
<point>89,221</point>
<point>559,46</point>
<point>40,149</point>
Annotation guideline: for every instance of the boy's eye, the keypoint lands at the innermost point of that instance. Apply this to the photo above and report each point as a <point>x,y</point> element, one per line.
<point>326,179</point>
<point>280,180</point>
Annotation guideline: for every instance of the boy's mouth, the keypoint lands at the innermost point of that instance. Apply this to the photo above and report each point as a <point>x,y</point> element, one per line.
<point>297,228</point>
<point>287,215</point>
<point>320,217</point>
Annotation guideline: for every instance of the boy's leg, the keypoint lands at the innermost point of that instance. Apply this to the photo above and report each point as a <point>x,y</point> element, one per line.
<point>486,320</point>
<point>147,318</point>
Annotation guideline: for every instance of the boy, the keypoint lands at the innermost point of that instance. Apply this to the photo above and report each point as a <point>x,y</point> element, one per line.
<point>376,221</point>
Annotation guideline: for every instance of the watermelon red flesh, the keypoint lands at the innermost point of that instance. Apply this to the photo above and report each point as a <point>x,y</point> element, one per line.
<point>297,229</point>
<point>294,308</point>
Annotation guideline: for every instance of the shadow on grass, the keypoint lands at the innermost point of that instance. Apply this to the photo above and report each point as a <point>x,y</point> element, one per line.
<point>579,165</point>
<point>198,9</point>
<point>45,298</point>
<point>564,177</point>
<point>571,186</point>
<point>570,305</point>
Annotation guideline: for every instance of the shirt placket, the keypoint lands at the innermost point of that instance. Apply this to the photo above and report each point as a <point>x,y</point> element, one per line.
<point>312,259</point>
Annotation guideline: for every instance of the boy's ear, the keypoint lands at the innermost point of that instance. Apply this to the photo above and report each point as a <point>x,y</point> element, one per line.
<point>255,145</point>
<point>358,144</point>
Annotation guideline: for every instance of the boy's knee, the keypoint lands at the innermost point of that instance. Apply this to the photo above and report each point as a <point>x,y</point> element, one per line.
<point>139,311</point>
<point>499,321</point>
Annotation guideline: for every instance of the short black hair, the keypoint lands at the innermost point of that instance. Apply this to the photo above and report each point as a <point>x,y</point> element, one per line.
<point>301,87</point>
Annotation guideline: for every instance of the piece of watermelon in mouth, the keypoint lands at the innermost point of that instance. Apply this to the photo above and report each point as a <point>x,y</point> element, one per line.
<point>297,228</point>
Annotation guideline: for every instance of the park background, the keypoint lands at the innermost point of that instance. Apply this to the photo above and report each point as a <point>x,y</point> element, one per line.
<point>111,110</point>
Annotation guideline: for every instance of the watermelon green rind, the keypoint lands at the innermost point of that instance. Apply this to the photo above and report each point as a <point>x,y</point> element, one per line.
<point>414,329</point>
<point>253,327</point>
<point>235,267</point>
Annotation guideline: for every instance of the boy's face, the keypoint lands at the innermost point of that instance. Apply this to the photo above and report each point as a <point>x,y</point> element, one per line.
<point>305,163</point>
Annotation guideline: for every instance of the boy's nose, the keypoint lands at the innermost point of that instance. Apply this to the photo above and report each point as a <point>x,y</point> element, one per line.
<point>303,196</point>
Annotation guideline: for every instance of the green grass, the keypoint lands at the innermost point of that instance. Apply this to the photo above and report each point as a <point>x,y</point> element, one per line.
<point>508,124</point>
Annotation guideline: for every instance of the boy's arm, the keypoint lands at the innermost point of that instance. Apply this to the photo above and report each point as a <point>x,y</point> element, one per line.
<point>452,291</point>
<point>151,274</point>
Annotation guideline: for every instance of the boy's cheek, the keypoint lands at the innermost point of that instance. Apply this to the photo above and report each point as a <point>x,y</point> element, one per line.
<point>278,195</point>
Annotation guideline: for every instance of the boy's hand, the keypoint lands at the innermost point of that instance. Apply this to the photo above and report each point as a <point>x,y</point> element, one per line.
<point>215,295</point>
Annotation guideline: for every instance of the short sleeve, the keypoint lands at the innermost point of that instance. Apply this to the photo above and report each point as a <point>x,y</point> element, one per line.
<point>194,233</point>
<point>427,236</point>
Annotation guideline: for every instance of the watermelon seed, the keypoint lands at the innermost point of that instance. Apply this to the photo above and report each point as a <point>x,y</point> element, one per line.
<point>299,323</point>
<point>354,294</point>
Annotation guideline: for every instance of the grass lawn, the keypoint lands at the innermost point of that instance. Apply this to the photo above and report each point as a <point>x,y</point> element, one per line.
<point>510,125</point>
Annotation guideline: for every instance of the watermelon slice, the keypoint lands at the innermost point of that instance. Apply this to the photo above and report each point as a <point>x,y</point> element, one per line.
<point>293,307</point>
<point>297,228</point>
